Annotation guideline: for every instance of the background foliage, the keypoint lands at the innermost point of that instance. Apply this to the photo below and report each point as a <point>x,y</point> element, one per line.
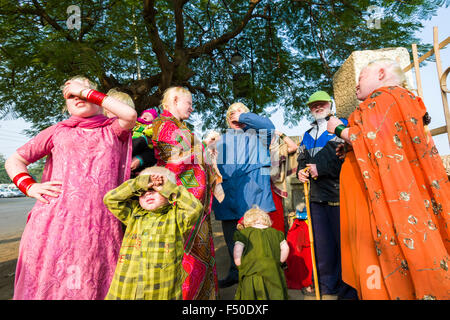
<point>290,49</point>
<point>35,169</point>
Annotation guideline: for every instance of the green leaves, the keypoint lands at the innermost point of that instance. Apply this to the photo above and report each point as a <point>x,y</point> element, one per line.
<point>290,49</point>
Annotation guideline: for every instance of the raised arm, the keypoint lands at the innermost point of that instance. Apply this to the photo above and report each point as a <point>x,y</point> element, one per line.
<point>188,207</point>
<point>254,121</point>
<point>342,132</point>
<point>119,200</point>
<point>291,145</point>
<point>126,114</point>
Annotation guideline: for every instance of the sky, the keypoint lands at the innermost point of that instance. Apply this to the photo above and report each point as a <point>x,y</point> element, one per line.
<point>12,136</point>
<point>430,84</point>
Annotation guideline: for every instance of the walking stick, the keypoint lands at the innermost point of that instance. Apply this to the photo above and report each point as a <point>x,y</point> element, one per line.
<point>311,239</point>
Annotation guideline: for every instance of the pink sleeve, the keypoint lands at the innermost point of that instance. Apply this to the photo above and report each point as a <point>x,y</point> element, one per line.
<point>122,133</point>
<point>39,146</point>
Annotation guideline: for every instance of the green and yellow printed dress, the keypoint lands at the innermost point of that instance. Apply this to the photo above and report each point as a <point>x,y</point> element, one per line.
<point>149,264</point>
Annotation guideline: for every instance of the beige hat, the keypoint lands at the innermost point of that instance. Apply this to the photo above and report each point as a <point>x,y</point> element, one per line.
<point>161,171</point>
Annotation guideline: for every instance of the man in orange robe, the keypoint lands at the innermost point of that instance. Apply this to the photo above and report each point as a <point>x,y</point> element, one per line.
<point>395,206</point>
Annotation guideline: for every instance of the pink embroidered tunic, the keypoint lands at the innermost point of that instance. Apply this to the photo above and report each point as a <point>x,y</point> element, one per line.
<point>70,246</point>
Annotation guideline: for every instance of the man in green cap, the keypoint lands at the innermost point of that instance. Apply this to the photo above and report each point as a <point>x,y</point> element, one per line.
<point>318,160</point>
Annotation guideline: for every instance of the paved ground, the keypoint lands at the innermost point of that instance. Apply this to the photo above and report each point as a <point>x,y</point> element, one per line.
<point>13,215</point>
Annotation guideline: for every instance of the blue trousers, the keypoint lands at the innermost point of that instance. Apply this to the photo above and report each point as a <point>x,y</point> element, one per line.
<point>229,227</point>
<point>327,245</point>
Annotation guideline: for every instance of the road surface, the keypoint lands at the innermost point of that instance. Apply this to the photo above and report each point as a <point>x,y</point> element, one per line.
<point>13,215</point>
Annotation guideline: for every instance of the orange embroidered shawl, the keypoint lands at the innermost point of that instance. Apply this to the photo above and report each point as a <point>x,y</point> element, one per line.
<point>408,194</point>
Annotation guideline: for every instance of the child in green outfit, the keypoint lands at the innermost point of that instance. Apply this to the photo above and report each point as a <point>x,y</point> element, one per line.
<point>258,253</point>
<point>158,214</point>
<point>143,153</point>
<point>143,125</point>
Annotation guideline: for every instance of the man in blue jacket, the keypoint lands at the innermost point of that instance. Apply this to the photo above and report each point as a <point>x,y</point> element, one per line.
<point>318,154</point>
<point>244,163</point>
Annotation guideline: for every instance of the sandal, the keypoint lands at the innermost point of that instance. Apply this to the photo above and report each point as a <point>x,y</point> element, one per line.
<point>309,291</point>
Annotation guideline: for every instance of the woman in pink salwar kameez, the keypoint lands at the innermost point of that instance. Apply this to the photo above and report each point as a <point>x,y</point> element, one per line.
<point>71,242</point>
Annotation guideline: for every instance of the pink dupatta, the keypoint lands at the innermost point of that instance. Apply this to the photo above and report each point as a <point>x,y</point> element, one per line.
<point>93,122</point>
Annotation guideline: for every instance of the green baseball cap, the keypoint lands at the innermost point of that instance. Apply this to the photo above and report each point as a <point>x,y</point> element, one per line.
<point>318,96</point>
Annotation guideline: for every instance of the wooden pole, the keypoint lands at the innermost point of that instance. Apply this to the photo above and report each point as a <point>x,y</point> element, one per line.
<point>444,81</point>
<point>311,240</point>
<point>439,71</point>
<point>417,70</point>
<point>442,45</point>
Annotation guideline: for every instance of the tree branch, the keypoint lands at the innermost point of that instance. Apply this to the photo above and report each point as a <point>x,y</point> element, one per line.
<point>211,45</point>
<point>92,21</point>
<point>200,36</point>
<point>157,44</point>
<point>179,24</point>
<point>319,51</point>
<point>42,13</point>
<point>227,9</point>
<point>145,85</point>
<point>207,94</point>
<point>260,16</point>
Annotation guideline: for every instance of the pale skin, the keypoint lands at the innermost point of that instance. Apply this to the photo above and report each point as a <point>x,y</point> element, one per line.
<point>371,78</point>
<point>234,120</point>
<point>135,163</point>
<point>180,106</point>
<point>147,117</point>
<point>211,141</point>
<point>152,199</point>
<point>75,94</point>
<point>292,146</point>
<point>239,248</point>
<point>320,110</point>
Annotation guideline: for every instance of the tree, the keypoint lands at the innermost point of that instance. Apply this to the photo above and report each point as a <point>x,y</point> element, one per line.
<point>4,178</point>
<point>35,169</point>
<point>290,48</point>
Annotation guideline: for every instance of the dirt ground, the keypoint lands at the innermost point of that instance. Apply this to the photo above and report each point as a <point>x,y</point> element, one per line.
<point>9,248</point>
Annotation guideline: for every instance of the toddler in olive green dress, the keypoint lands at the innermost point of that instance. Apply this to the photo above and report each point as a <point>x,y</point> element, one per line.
<point>258,253</point>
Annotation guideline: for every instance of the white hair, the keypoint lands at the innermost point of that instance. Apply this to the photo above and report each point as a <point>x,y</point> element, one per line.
<point>237,106</point>
<point>393,70</point>
<point>160,171</point>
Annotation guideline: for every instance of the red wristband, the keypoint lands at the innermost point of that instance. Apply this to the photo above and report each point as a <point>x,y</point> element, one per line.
<point>95,97</point>
<point>23,181</point>
<point>20,175</point>
<point>26,184</point>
